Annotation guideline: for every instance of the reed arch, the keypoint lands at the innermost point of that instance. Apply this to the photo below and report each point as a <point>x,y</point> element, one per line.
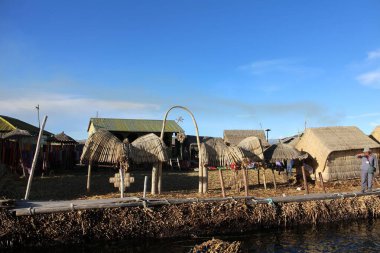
<point>203,177</point>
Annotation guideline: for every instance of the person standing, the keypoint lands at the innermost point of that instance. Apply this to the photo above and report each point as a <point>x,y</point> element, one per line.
<point>367,169</point>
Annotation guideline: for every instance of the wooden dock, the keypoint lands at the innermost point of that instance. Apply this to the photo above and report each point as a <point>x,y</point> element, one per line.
<point>27,207</point>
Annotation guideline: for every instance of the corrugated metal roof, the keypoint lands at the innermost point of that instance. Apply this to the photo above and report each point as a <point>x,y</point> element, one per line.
<point>135,125</point>
<point>8,124</point>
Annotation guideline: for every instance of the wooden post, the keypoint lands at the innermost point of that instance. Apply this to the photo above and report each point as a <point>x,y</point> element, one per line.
<point>245,182</point>
<point>305,180</point>
<point>258,176</point>
<point>145,185</point>
<point>222,183</point>
<point>121,171</point>
<point>264,179</point>
<point>38,147</point>
<point>154,179</point>
<point>322,183</point>
<point>205,179</point>
<point>89,177</point>
<point>159,181</point>
<point>274,180</point>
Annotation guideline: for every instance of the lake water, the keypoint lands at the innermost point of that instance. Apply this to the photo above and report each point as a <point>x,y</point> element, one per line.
<point>354,236</point>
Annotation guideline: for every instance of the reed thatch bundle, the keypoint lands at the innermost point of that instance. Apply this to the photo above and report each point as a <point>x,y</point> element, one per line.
<point>102,147</point>
<point>281,151</point>
<point>252,148</point>
<point>235,136</point>
<point>333,150</point>
<point>218,246</point>
<point>376,134</point>
<point>215,152</point>
<point>148,149</point>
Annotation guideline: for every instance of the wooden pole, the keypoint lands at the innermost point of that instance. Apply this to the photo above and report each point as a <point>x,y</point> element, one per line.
<point>245,181</point>
<point>264,179</point>
<point>154,180</point>
<point>38,147</point>
<point>145,185</point>
<point>159,183</point>
<point>89,177</point>
<point>274,180</point>
<point>322,183</point>
<point>121,171</point>
<point>258,176</point>
<point>305,180</point>
<point>222,182</point>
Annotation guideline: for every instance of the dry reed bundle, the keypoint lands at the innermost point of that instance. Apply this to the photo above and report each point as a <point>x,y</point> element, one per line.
<point>218,246</point>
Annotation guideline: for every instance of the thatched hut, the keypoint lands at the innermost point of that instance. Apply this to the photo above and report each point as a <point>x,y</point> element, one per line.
<point>215,152</point>
<point>102,147</point>
<point>251,147</point>
<point>234,137</point>
<point>280,152</point>
<point>333,150</point>
<point>376,134</point>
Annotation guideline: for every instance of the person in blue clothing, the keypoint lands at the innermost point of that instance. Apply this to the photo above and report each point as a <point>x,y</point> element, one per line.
<point>368,162</point>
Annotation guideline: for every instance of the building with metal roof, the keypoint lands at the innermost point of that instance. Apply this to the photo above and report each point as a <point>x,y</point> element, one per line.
<point>134,128</point>
<point>8,124</point>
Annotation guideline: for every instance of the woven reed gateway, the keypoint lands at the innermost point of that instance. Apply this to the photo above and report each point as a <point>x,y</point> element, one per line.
<point>333,150</point>
<point>376,134</point>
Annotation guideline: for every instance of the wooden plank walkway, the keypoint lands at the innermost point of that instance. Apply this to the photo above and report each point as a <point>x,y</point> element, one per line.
<point>27,207</point>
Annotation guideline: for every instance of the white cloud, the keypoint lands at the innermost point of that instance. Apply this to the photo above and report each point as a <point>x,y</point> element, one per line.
<point>371,79</point>
<point>373,55</point>
<point>281,65</point>
<point>71,113</point>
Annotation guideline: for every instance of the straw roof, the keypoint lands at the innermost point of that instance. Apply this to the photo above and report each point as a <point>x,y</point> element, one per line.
<point>17,133</point>
<point>252,145</point>
<point>215,152</point>
<point>234,137</point>
<point>62,138</point>
<point>148,149</point>
<point>281,151</point>
<point>321,142</point>
<point>102,147</point>
<point>376,134</point>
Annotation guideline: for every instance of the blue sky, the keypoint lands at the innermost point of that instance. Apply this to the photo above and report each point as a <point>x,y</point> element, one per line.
<point>235,64</point>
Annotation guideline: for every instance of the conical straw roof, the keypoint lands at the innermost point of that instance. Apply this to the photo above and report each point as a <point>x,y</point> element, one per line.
<point>281,151</point>
<point>252,148</point>
<point>148,149</point>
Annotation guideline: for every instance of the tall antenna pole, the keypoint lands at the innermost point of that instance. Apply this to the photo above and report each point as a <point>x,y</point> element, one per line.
<point>38,115</point>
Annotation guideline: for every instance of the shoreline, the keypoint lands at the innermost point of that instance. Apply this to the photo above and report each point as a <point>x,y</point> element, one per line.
<point>177,220</point>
